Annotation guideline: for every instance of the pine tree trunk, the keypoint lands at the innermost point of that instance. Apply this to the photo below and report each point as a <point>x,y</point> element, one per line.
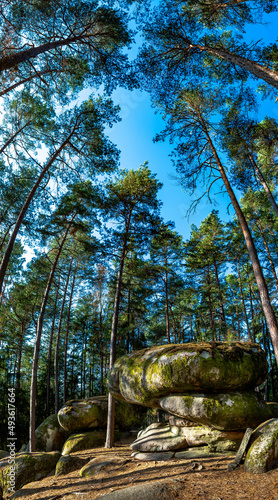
<point>66,340</point>
<point>56,356</point>
<point>263,183</point>
<point>111,402</point>
<point>262,72</point>
<point>49,358</point>
<point>167,305</point>
<point>243,302</point>
<point>33,388</point>
<point>260,280</point>
<point>220,297</point>
<point>18,370</point>
<point>273,268</point>
<point>9,249</point>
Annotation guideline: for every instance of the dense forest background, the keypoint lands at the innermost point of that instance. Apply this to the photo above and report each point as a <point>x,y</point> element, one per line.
<point>88,265</point>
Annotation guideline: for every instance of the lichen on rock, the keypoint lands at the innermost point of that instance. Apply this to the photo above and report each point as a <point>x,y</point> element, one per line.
<point>229,411</point>
<point>146,376</point>
<point>263,452</point>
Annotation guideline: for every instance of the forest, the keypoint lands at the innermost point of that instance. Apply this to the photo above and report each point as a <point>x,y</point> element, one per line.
<point>90,270</point>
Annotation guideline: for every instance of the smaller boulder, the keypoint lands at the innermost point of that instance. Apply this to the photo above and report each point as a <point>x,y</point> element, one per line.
<point>69,463</point>
<point>83,414</point>
<point>153,456</point>
<point>50,436</point>
<point>84,441</point>
<point>263,452</point>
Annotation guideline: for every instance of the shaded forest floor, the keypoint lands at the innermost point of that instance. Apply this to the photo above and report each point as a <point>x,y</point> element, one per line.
<point>204,479</point>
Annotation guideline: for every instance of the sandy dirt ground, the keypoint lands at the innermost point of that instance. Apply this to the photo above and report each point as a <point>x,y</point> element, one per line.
<point>204,479</point>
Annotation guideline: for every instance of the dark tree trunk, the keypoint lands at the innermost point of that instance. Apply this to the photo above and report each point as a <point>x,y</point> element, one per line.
<point>33,388</point>
<point>260,280</point>
<point>9,249</point>
<point>49,358</point>
<point>56,356</point>
<point>66,340</point>
<point>243,302</point>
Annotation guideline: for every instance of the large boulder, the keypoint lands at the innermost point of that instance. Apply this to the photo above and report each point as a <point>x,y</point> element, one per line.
<point>90,413</point>
<point>26,468</point>
<point>230,411</point>
<point>146,376</point>
<point>50,436</point>
<point>83,414</point>
<point>263,452</point>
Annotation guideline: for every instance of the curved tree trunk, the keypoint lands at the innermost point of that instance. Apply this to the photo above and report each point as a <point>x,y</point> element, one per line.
<point>262,72</point>
<point>9,249</point>
<point>258,272</point>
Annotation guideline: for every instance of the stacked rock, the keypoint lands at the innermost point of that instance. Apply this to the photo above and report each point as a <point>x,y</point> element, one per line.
<point>209,385</point>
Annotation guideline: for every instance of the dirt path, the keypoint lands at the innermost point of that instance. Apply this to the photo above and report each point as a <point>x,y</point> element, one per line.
<point>204,479</point>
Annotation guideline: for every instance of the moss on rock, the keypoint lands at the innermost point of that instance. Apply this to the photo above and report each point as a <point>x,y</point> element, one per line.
<point>230,411</point>
<point>50,436</point>
<point>27,467</point>
<point>146,376</point>
<point>84,441</point>
<point>69,463</point>
<point>263,452</point>
<point>83,413</point>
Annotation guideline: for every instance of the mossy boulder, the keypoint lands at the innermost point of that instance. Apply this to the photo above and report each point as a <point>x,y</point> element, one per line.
<point>27,467</point>
<point>230,411</point>
<point>216,440</point>
<point>84,441</point>
<point>90,413</point>
<point>263,452</point>
<point>69,463</point>
<point>146,376</point>
<point>50,436</point>
<point>83,414</point>
<point>3,454</point>
<point>160,437</point>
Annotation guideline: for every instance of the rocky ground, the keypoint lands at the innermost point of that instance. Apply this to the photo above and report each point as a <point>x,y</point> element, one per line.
<point>202,479</point>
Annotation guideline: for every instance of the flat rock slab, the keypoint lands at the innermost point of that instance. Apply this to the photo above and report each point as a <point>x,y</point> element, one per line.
<point>103,465</point>
<point>155,456</point>
<point>231,411</point>
<point>146,376</point>
<point>263,452</point>
<point>160,437</point>
<point>155,490</point>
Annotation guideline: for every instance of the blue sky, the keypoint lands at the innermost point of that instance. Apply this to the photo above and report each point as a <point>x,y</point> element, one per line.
<point>134,137</point>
